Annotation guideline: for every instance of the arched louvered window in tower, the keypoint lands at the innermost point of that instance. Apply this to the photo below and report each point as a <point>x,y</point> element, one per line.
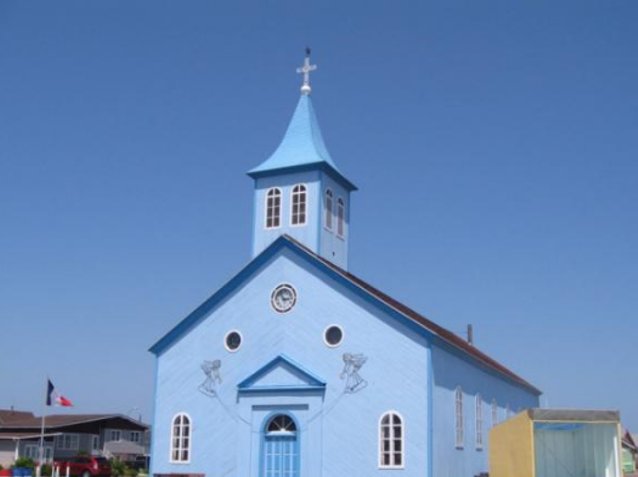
<point>391,441</point>
<point>298,210</point>
<point>341,212</point>
<point>328,209</point>
<point>273,208</point>
<point>181,439</point>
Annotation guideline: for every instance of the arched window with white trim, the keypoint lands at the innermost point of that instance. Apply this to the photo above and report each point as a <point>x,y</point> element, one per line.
<point>298,210</point>
<point>479,422</point>
<point>273,208</point>
<point>181,439</point>
<point>391,441</point>
<point>341,212</point>
<point>328,209</point>
<point>458,417</point>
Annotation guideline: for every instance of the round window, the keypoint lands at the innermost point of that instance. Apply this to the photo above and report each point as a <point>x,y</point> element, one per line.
<point>232,340</point>
<point>333,335</point>
<point>283,298</point>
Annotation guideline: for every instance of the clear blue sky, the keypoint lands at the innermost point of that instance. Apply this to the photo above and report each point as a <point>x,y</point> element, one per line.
<point>494,144</point>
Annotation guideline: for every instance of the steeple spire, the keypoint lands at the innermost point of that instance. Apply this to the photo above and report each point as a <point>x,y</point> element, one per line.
<point>305,70</point>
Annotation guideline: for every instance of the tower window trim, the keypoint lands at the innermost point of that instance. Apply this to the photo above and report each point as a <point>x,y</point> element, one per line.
<point>341,217</point>
<point>272,208</point>
<point>458,418</point>
<point>180,445</point>
<point>328,206</point>
<point>392,439</point>
<point>299,205</point>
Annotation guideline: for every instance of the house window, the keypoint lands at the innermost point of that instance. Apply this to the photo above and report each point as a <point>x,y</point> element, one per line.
<point>95,443</point>
<point>494,412</point>
<point>181,439</point>
<point>328,207</point>
<point>479,422</point>
<point>391,441</point>
<point>341,211</point>
<point>115,435</point>
<point>458,401</point>
<point>273,208</point>
<point>298,211</point>
<point>32,451</point>
<point>508,411</point>
<point>67,442</point>
<point>135,436</point>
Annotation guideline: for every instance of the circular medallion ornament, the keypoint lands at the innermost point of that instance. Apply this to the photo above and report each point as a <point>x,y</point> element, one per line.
<point>283,298</point>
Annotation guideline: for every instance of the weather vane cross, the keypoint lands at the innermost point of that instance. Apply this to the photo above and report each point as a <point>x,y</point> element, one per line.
<point>305,70</point>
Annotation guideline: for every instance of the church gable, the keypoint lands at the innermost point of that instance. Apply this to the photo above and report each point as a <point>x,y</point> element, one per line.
<point>281,374</point>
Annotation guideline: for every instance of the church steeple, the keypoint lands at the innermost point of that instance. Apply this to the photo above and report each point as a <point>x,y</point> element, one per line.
<point>300,191</point>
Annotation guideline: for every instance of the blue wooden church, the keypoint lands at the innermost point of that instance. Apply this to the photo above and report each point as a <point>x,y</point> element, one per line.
<point>298,368</point>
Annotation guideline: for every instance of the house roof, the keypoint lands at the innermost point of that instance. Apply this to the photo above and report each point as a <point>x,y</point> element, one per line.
<point>365,289</point>
<point>9,415</point>
<point>302,147</point>
<point>573,415</point>
<point>53,421</point>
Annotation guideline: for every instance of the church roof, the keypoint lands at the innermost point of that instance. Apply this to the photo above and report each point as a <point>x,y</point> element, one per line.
<point>364,289</point>
<point>301,148</point>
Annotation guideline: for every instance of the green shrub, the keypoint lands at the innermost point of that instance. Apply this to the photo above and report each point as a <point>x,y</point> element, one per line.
<point>118,468</point>
<point>46,469</point>
<point>24,462</point>
<point>130,472</point>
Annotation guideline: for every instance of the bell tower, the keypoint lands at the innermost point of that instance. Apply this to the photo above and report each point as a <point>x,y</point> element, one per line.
<point>299,191</point>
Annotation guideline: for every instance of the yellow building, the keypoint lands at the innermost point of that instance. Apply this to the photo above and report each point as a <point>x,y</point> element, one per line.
<point>556,443</point>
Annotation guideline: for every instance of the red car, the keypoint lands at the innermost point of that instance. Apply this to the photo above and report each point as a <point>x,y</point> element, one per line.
<point>85,466</point>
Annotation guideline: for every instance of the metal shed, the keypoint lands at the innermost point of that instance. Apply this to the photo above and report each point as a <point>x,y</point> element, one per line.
<point>556,443</point>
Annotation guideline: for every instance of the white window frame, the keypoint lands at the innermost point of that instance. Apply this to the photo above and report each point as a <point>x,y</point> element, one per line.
<point>138,439</point>
<point>494,412</point>
<point>277,194</point>
<point>328,210</point>
<point>95,442</point>
<point>33,451</point>
<point>479,422</point>
<point>241,341</point>
<point>325,332</point>
<point>68,441</point>
<point>341,217</point>
<point>391,414</point>
<point>459,431</point>
<point>299,192</point>
<point>115,435</point>
<point>181,447</point>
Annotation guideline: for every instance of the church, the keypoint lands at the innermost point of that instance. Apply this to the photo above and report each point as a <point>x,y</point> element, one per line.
<point>298,368</point>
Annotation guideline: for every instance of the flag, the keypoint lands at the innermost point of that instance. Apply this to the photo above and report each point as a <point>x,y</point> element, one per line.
<point>53,397</point>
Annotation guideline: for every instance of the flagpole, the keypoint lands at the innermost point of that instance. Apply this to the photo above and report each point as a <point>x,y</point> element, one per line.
<point>38,471</point>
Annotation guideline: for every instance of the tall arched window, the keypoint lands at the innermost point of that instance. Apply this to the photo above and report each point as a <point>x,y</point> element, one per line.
<point>328,209</point>
<point>181,438</point>
<point>273,208</point>
<point>479,422</point>
<point>298,211</point>
<point>458,416</point>
<point>341,212</point>
<point>391,440</point>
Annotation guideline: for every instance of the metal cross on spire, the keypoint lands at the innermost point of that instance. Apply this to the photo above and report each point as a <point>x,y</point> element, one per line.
<point>305,70</point>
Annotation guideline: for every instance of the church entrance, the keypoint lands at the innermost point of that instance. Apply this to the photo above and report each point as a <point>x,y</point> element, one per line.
<point>280,447</point>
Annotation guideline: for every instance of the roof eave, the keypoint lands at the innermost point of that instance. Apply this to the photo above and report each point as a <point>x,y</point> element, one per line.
<point>320,165</point>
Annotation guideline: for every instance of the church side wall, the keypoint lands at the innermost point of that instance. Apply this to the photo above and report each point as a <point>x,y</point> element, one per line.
<point>339,431</point>
<point>449,371</point>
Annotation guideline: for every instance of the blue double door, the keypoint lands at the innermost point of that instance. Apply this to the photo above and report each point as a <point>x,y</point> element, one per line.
<point>280,447</point>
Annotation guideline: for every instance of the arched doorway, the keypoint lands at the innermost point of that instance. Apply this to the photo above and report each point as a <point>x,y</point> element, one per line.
<point>280,447</point>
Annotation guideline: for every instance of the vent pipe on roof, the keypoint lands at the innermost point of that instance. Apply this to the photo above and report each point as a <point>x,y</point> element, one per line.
<point>470,334</point>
